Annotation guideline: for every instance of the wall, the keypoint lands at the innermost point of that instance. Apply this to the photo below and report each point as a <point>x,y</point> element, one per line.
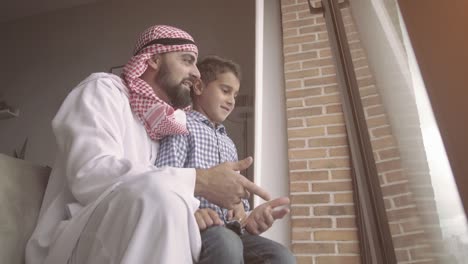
<point>323,216</point>
<point>323,211</point>
<point>45,56</point>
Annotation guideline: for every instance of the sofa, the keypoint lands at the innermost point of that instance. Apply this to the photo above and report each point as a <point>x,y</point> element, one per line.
<point>22,186</point>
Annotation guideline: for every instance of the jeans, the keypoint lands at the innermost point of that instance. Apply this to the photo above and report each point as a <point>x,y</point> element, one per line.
<point>221,245</point>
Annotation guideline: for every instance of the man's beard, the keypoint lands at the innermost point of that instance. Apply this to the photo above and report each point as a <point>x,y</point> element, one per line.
<point>178,95</point>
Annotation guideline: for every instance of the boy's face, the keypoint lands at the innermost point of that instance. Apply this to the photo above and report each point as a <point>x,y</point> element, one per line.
<point>217,99</point>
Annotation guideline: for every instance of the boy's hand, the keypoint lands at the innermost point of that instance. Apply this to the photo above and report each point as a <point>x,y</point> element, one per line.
<point>237,213</point>
<point>263,216</point>
<point>207,217</point>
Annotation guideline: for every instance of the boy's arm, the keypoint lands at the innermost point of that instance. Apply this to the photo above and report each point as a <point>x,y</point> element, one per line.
<point>172,151</point>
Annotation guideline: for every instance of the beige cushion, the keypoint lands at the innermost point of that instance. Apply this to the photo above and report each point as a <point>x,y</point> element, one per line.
<point>22,187</point>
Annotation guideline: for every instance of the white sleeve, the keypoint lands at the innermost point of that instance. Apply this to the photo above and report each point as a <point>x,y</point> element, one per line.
<point>89,129</point>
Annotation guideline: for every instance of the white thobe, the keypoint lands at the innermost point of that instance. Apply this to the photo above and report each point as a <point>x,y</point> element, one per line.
<point>103,148</point>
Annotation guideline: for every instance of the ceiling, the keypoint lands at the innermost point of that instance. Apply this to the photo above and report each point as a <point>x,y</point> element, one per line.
<point>16,9</point>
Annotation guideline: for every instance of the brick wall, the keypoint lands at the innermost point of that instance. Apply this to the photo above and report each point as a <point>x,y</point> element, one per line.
<point>323,217</point>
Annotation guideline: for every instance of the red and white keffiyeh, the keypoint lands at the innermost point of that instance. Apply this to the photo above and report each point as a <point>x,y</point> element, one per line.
<point>159,118</point>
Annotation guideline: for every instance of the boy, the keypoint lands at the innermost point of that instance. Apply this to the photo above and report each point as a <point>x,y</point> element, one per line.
<point>208,145</point>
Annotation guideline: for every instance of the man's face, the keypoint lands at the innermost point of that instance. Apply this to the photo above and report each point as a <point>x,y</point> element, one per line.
<point>176,76</point>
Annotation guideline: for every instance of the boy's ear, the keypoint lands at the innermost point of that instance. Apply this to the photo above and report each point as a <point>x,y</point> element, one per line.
<point>198,87</point>
<point>154,62</point>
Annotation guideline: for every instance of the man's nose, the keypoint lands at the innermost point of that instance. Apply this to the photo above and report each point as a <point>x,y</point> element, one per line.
<point>195,72</point>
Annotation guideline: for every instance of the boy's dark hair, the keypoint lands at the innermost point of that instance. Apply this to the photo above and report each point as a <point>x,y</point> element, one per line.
<point>211,66</point>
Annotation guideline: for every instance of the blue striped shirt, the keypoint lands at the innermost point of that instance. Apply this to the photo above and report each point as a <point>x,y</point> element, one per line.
<point>206,146</point>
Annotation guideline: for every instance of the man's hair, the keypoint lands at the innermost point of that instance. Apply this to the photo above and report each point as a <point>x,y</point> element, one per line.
<point>211,66</point>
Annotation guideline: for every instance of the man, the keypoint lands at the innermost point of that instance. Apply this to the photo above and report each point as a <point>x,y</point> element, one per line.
<point>106,202</point>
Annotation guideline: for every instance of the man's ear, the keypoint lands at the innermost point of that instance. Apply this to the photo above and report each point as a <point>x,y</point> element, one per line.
<point>198,87</point>
<point>154,62</point>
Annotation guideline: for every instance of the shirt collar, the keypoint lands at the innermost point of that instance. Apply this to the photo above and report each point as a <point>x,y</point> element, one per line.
<point>199,117</point>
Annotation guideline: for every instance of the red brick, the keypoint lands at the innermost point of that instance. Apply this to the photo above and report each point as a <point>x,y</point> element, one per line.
<point>310,199</point>
<point>375,110</point>
<point>395,189</point>
<point>328,142</point>
<point>346,222</point>
<point>333,89</point>
<point>304,260</point>
<point>325,53</point>
<point>371,101</point>
<point>301,74</point>
<point>293,66</point>
<point>320,81</point>
<point>329,163</point>
<point>292,9</point>
<point>296,187</point>
<point>404,200</point>
<point>300,211</point>
<point>389,154</point>
<point>400,214</point>
<point>317,28</point>
<point>336,235</point>
<point>343,198</point>
<point>360,63</point>
<point>300,56</point>
<point>297,165</point>
<point>336,130</point>
<point>388,165</point>
<point>291,49</point>
<point>304,112</point>
<point>340,174</point>
<point>366,82</point>
<point>338,260</point>
<point>301,235</point>
<point>322,36</point>
<point>289,17</point>
<point>321,100</point>
<point>337,186</point>
<point>306,132</point>
<point>328,71</point>
<point>303,93</point>
<point>347,248</point>
<point>381,132</point>
<point>296,143</point>
<point>316,63</point>
<point>309,176</point>
<point>314,45</point>
<point>338,152</point>
<point>325,120</point>
<point>311,222</point>
<point>335,210</point>
<point>307,153</point>
<point>334,109</point>
<point>288,2</point>
<point>402,255</point>
<point>293,85</point>
<point>409,240</point>
<point>313,248</point>
<point>294,103</point>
